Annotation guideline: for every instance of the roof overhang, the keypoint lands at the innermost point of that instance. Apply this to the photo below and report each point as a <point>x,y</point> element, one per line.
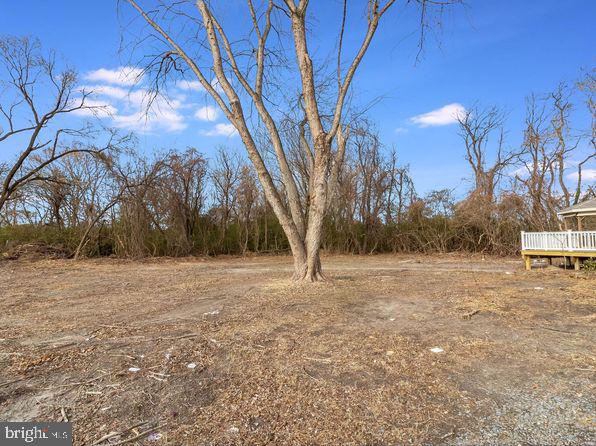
<point>577,212</point>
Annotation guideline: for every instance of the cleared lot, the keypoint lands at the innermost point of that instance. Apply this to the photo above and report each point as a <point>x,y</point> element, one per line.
<point>230,351</point>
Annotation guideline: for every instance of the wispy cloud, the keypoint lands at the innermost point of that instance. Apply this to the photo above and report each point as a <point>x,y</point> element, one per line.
<point>195,85</point>
<point>189,85</point>
<point>221,130</point>
<point>117,95</point>
<point>120,76</point>
<point>137,109</point>
<point>94,107</point>
<point>521,172</point>
<point>587,175</point>
<point>147,121</point>
<point>207,113</point>
<point>445,115</point>
<point>400,130</point>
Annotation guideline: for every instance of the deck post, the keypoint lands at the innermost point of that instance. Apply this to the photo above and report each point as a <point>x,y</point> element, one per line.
<point>528,260</point>
<point>576,263</point>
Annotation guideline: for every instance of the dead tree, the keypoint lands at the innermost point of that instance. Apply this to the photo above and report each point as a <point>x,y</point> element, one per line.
<point>225,177</point>
<point>539,159</point>
<point>247,194</point>
<point>588,87</point>
<point>28,122</point>
<point>476,127</point>
<point>244,68</point>
<point>181,194</point>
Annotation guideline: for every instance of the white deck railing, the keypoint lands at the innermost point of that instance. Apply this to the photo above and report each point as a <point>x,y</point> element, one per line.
<point>559,241</point>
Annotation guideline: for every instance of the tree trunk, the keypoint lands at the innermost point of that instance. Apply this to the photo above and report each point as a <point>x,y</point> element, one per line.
<point>309,269</point>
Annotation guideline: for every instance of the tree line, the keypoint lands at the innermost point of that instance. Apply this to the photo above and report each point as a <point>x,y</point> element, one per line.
<point>114,201</point>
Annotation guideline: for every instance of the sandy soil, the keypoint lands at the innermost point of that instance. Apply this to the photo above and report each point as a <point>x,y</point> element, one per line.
<point>110,345</point>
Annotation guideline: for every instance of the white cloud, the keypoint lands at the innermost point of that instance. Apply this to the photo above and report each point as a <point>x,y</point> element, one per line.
<point>132,107</point>
<point>400,130</point>
<point>138,110</point>
<point>107,90</point>
<point>151,120</point>
<point>445,115</point>
<point>521,172</point>
<point>97,108</point>
<point>221,130</point>
<point>189,85</point>
<point>207,113</point>
<point>120,76</point>
<point>587,175</point>
<point>160,114</point>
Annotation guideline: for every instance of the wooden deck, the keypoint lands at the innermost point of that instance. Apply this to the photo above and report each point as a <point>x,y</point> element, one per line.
<point>576,245</point>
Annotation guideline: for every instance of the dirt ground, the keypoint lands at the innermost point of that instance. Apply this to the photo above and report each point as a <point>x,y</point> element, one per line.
<point>229,351</point>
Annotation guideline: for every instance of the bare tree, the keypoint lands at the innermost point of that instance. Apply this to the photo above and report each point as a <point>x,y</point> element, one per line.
<point>539,164</point>
<point>588,87</point>
<point>225,177</point>
<point>477,126</point>
<point>247,195</point>
<point>180,195</point>
<point>27,122</point>
<point>244,68</point>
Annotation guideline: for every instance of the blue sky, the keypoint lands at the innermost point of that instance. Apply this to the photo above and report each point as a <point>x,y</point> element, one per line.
<point>493,52</point>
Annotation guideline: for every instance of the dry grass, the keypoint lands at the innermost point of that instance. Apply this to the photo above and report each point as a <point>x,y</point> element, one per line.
<point>342,362</point>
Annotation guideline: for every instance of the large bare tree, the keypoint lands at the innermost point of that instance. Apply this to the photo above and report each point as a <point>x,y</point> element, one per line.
<point>246,63</point>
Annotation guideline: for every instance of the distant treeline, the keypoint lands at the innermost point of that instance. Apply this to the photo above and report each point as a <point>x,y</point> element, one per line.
<point>179,203</point>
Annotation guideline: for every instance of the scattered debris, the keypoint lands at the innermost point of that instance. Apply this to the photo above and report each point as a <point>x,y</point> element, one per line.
<point>118,435</point>
<point>437,350</point>
<point>155,436</point>
<point>211,313</point>
<point>390,353</point>
<point>134,369</point>
<point>192,365</point>
<point>538,288</point>
<point>234,430</point>
<point>470,314</point>
<point>447,435</point>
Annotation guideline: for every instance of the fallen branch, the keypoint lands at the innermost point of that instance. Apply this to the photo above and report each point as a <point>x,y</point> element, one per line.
<point>190,335</point>
<point>142,434</point>
<point>81,383</point>
<point>470,314</point>
<point>114,434</point>
<point>326,360</point>
<point>12,382</point>
<point>556,329</point>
